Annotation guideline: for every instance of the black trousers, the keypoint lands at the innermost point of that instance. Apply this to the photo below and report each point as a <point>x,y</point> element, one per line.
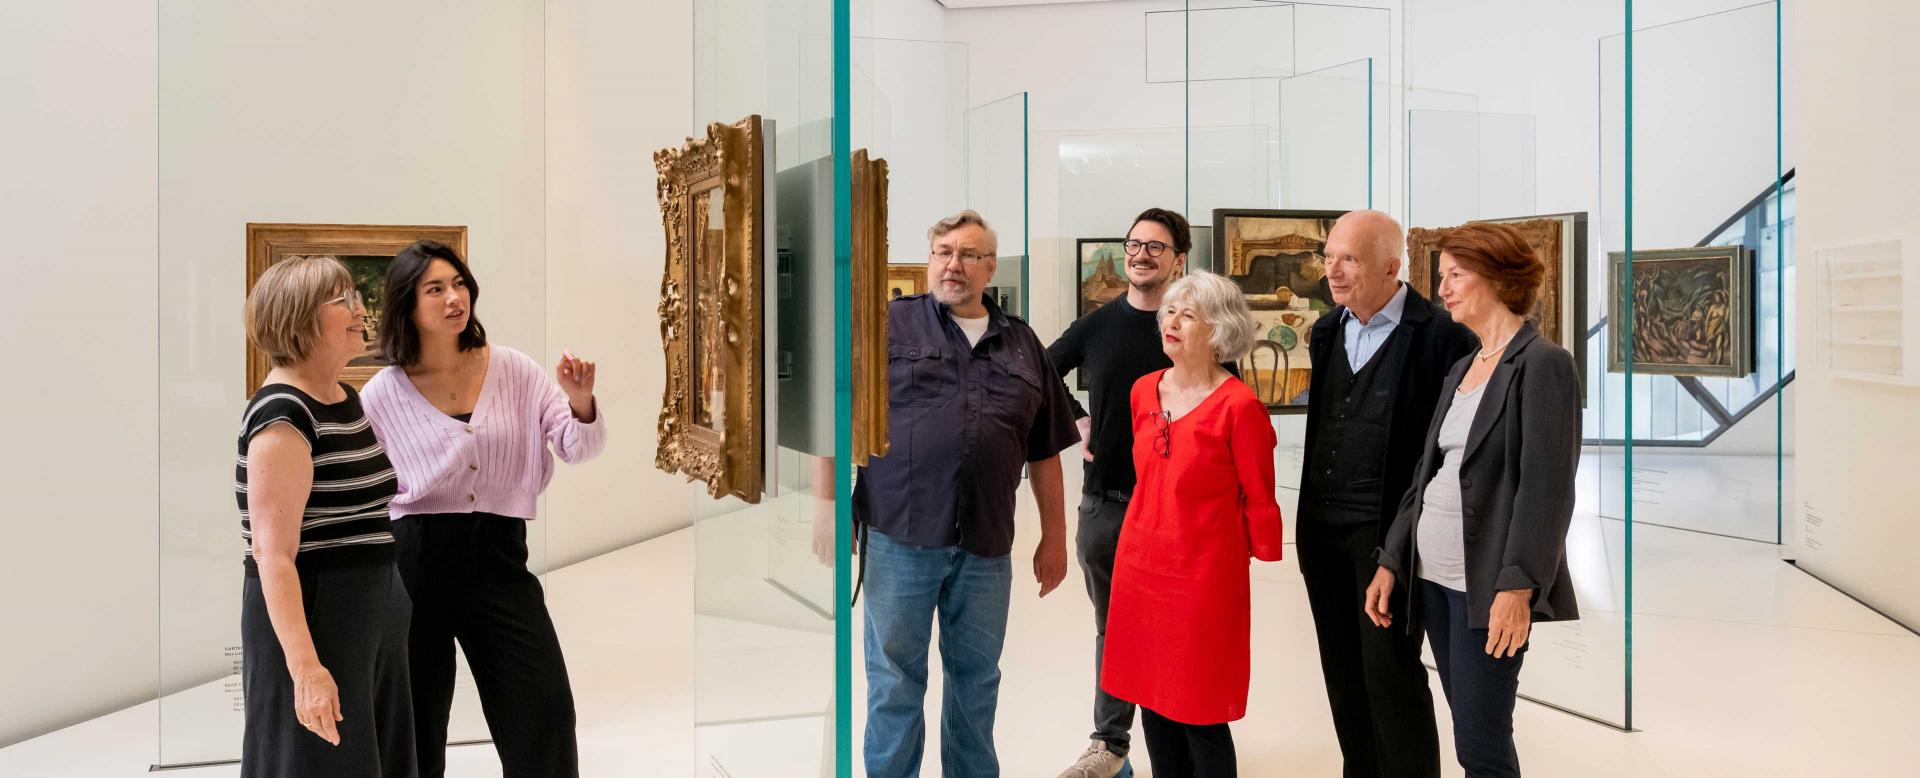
<point>1480,689</point>
<point>1376,686</point>
<point>469,580</point>
<point>1095,541</point>
<point>1188,750</point>
<point>358,618</point>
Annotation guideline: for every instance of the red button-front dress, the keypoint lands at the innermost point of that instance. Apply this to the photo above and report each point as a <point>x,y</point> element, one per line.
<point>1179,617</point>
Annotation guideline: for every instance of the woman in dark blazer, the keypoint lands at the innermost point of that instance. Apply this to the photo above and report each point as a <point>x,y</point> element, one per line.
<point>1483,529</point>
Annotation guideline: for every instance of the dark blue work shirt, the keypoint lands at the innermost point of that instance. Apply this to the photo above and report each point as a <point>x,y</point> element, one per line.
<point>961,422</point>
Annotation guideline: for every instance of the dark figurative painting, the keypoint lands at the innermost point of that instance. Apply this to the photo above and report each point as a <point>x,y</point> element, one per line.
<point>1692,312</point>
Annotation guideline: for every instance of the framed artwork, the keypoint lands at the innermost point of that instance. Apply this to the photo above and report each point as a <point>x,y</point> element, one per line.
<point>366,250</point>
<point>906,280</point>
<point>1278,259</point>
<point>1692,311</point>
<point>712,304</point>
<point>1561,241</point>
<point>871,276</point>
<point>1102,274</point>
<point>1102,267</point>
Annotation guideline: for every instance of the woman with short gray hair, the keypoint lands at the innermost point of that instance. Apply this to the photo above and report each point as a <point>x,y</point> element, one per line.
<point>1179,619</point>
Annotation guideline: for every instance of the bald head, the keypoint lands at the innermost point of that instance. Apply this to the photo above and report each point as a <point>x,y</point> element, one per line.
<point>1363,261</point>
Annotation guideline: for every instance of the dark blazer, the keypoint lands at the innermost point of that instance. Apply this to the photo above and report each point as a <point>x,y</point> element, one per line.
<point>1425,343</point>
<point>1516,482</point>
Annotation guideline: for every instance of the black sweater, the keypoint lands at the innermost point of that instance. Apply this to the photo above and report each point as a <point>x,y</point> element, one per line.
<point>1112,347</point>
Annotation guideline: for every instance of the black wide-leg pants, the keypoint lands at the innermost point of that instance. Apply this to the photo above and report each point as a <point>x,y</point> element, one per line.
<point>469,580</point>
<point>358,618</point>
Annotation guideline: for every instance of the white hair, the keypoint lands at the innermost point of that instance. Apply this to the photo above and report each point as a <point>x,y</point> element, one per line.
<point>1223,306</point>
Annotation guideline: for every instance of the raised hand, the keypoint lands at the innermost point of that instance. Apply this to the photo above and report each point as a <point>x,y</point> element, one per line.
<point>576,379</point>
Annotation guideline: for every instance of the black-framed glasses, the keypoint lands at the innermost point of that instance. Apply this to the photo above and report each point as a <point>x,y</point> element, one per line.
<point>1154,248</point>
<point>1163,443</point>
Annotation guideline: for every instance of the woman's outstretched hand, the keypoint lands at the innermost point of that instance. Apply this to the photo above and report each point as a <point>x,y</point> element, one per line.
<point>576,379</point>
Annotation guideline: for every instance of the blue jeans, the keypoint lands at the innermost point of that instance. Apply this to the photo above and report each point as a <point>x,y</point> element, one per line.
<point>905,587</point>
<point>1480,689</point>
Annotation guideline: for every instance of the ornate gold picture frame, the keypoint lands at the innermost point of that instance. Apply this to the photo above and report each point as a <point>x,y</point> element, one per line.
<point>1560,241</point>
<point>870,290</point>
<point>365,249</point>
<point>712,300</point>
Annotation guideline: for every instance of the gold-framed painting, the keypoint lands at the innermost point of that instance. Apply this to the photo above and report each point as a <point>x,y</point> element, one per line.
<point>872,290</point>
<point>1560,240</point>
<point>712,193</point>
<point>906,280</point>
<point>1278,259</point>
<point>366,250</point>
<point>1692,311</point>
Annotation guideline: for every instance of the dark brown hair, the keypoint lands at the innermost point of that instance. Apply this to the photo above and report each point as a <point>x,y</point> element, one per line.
<point>1175,223</point>
<point>399,337</point>
<point>1498,253</point>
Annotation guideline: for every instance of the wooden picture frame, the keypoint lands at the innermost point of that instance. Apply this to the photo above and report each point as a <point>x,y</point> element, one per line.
<point>908,280</point>
<point>1264,251</point>
<point>712,309</point>
<point>365,249</point>
<point>1693,312</point>
<point>1561,241</point>
<point>871,275</point>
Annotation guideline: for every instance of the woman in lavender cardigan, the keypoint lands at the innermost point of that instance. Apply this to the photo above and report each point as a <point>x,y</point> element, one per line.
<point>469,427</point>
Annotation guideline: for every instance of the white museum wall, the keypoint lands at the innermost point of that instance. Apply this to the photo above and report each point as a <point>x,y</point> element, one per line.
<point>80,212</point>
<point>438,121</point>
<point>617,89</point>
<point>256,130</point>
<point>1856,184</point>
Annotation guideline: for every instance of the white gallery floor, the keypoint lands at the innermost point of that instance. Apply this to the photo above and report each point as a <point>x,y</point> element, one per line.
<point>1742,664</point>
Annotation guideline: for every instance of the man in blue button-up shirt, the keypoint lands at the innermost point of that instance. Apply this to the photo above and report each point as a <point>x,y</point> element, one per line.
<point>971,398</point>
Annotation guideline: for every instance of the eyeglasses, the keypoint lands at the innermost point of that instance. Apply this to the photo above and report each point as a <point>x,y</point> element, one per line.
<point>350,298</point>
<point>944,256</point>
<point>1154,248</point>
<point>1163,443</point>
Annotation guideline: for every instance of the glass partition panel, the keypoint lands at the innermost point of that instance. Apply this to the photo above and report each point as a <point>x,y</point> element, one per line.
<point>996,160</point>
<point>1331,153</point>
<point>253,133</point>
<point>764,607</point>
<point>1466,166</point>
<point>1710,450</point>
<point>1478,133</point>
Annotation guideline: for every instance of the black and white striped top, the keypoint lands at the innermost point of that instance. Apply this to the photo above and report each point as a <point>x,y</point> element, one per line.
<point>345,521</point>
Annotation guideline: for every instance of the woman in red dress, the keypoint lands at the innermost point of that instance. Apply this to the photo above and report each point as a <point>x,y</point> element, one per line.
<point>1177,626</point>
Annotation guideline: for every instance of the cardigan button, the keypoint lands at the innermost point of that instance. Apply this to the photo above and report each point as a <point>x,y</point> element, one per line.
<point>469,430</point>
<point>473,466</point>
<point>469,498</point>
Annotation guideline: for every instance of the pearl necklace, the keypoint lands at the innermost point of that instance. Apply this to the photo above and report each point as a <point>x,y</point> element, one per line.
<point>1485,355</point>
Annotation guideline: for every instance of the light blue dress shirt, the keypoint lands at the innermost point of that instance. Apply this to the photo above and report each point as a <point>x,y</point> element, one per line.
<point>1365,339</point>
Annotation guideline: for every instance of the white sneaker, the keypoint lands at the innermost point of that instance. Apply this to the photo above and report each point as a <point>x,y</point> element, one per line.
<point>1095,762</point>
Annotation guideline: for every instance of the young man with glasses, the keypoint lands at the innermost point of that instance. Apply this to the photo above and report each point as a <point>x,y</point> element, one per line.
<point>971,398</point>
<point>1113,347</point>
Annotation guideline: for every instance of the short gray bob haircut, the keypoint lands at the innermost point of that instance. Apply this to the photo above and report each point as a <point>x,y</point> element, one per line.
<point>1222,305</point>
<point>963,219</point>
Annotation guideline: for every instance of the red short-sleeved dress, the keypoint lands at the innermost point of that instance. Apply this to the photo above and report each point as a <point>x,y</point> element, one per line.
<point>1179,617</point>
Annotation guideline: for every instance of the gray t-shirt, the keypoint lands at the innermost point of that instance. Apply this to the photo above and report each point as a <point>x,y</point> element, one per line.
<point>1442,548</point>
